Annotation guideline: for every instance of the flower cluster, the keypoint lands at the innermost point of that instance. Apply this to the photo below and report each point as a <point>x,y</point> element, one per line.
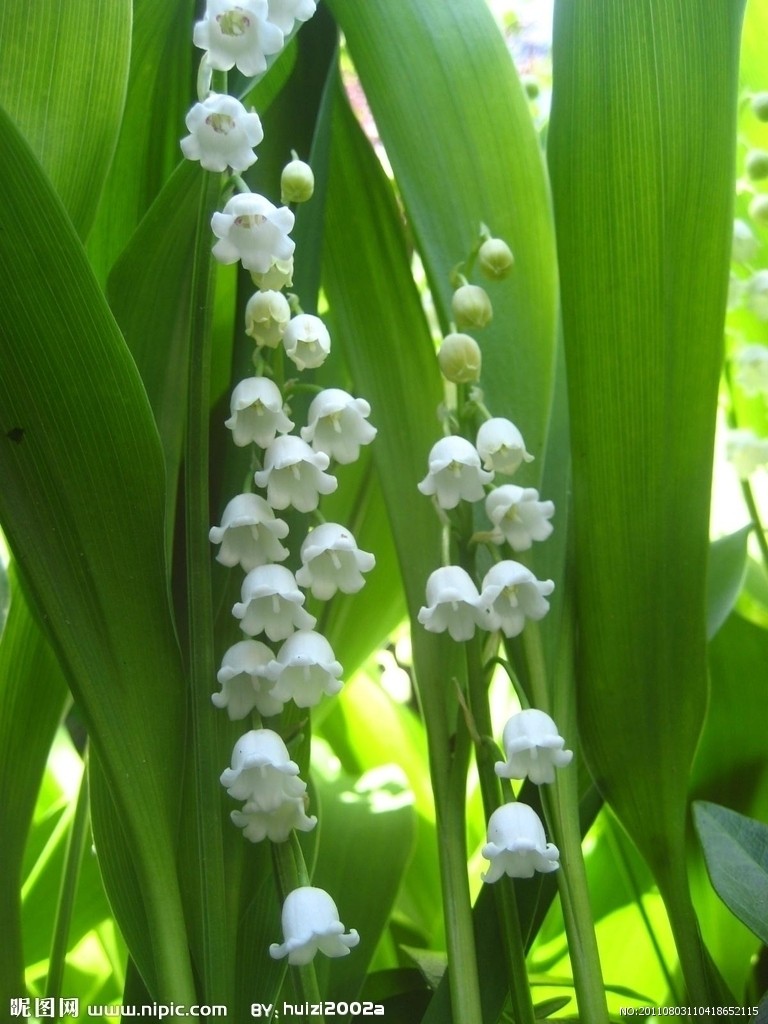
<point>292,470</point>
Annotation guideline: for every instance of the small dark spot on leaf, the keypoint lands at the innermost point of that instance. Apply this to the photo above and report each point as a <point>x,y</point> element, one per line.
<point>16,434</point>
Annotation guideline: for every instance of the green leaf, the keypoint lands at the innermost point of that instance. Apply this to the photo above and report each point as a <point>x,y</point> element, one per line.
<point>82,506</point>
<point>725,576</point>
<point>736,852</point>
<point>62,81</point>
<point>641,143</point>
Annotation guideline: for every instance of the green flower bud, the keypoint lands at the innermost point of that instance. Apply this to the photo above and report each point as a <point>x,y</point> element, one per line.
<point>471,306</point>
<point>758,209</point>
<point>757,164</point>
<point>760,106</point>
<point>266,318</point>
<point>495,258</point>
<point>460,358</point>
<point>531,86</point>
<point>297,182</point>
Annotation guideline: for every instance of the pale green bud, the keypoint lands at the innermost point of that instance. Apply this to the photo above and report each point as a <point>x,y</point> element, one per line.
<point>266,318</point>
<point>760,106</point>
<point>297,182</point>
<point>531,86</point>
<point>757,164</point>
<point>471,306</point>
<point>495,258</point>
<point>758,209</point>
<point>460,358</point>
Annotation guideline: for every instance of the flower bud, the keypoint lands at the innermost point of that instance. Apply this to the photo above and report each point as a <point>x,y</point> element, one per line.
<point>760,106</point>
<point>471,306</point>
<point>460,358</point>
<point>758,209</point>
<point>495,258</point>
<point>757,164</point>
<point>297,182</point>
<point>266,318</point>
<point>531,86</point>
<point>744,244</point>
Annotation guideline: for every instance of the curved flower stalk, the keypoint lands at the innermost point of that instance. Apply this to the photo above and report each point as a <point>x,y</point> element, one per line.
<point>310,923</point>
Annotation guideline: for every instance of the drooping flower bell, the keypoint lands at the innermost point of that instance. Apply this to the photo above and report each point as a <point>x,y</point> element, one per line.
<point>517,845</point>
<point>267,314</point>
<point>305,668</point>
<point>222,134</point>
<point>249,534</point>
<point>294,474</point>
<point>271,603</point>
<point>310,923</point>
<point>752,369</point>
<point>279,275</point>
<point>453,604</point>
<point>254,231</point>
<point>244,681</point>
<point>306,341</point>
<point>337,425</point>
<point>238,32</point>
<point>331,561</point>
<point>518,517</point>
<point>501,446</point>
<point>533,748</point>
<point>512,594</point>
<point>257,413</point>
<point>746,452</point>
<point>454,473</point>
<point>283,13</point>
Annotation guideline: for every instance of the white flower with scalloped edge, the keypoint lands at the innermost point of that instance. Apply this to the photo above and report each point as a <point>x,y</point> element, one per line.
<point>306,341</point>
<point>453,604</point>
<point>311,922</point>
<point>533,748</point>
<point>518,517</point>
<point>294,474</point>
<point>501,446</point>
<point>337,425</point>
<point>222,134</point>
<point>305,669</point>
<point>517,845</point>
<point>244,681</point>
<point>249,534</point>
<point>267,314</point>
<point>752,369</point>
<point>254,231</point>
<point>257,413</point>
<point>454,473</point>
<point>511,594</point>
<point>331,561</point>
<point>284,13</point>
<point>238,34</point>
<point>271,603</point>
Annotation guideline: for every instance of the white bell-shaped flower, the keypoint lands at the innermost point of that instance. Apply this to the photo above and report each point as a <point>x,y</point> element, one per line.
<point>307,341</point>
<point>746,451</point>
<point>257,413</point>
<point>454,473</point>
<point>756,292</point>
<point>517,845</point>
<point>512,594</point>
<point>518,516</point>
<point>275,825</point>
<point>279,275</point>
<point>294,474</point>
<point>305,669</point>
<point>453,604</point>
<point>501,446</point>
<point>238,33</point>
<point>245,683</point>
<point>267,314</point>
<point>272,603</point>
<point>533,748</point>
<point>249,534</point>
<point>254,231</point>
<point>337,425</point>
<point>311,923</point>
<point>331,561</point>
<point>283,13</point>
<point>222,134</point>
<point>752,369</point>
<point>745,245</point>
<point>262,772</point>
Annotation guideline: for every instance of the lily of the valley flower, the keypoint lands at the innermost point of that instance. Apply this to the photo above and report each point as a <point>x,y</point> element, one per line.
<point>245,684</point>
<point>501,446</point>
<point>257,413</point>
<point>337,425</point>
<point>454,473</point>
<point>453,604</point>
<point>279,275</point>
<point>294,474</point>
<point>238,33</point>
<point>471,307</point>
<point>517,845</point>
<point>222,134</point>
<point>266,317</point>
<point>533,748</point>
<point>752,369</point>
<point>331,561</point>
<point>307,341</point>
<point>283,13</point>
<point>305,669</point>
<point>518,516</point>
<point>746,452</point>
<point>512,594</point>
<point>310,923</point>
<point>272,603</point>
<point>249,533</point>
<point>254,231</point>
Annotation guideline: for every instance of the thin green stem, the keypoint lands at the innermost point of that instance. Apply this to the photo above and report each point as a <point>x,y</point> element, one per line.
<point>754,513</point>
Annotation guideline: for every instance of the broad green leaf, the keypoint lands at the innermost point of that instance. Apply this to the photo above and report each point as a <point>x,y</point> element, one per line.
<point>736,851</point>
<point>62,81</point>
<point>82,506</point>
<point>725,576</point>
<point>641,143</point>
